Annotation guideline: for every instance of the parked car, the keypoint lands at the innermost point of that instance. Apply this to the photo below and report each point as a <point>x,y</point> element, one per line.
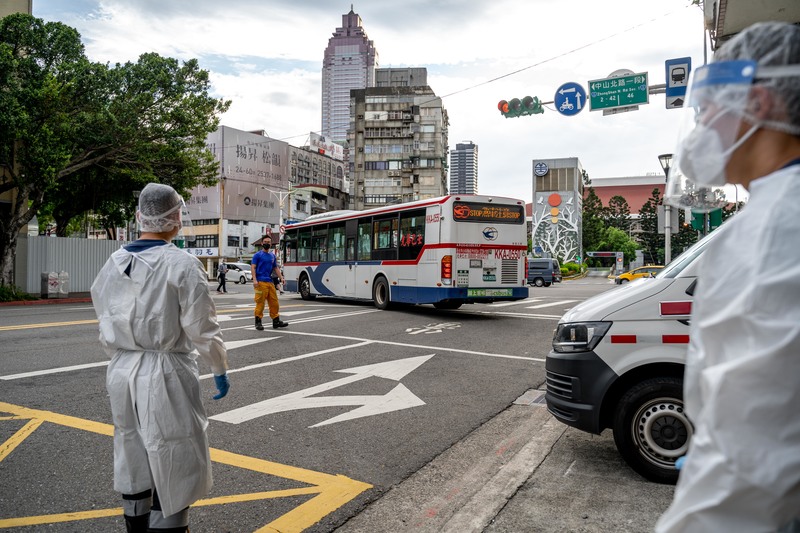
<point>239,273</point>
<point>543,272</point>
<point>640,272</point>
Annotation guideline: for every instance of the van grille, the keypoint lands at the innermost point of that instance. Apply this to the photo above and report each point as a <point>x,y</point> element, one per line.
<point>559,385</point>
<point>509,270</point>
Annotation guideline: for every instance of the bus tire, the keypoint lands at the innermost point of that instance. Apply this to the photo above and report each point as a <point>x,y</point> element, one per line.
<point>381,294</point>
<point>305,288</point>
<point>448,305</point>
<point>651,429</point>
<point>538,282</point>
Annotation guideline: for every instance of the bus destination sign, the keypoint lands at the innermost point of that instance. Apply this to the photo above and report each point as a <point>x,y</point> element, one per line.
<point>483,212</point>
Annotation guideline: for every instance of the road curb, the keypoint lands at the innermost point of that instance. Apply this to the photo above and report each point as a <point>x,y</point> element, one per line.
<point>464,488</point>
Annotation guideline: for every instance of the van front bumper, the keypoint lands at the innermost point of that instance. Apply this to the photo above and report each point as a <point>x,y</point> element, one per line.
<point>576,385</point>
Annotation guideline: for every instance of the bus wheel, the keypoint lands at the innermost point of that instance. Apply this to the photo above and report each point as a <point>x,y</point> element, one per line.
<point>538,282</point>
<point>380,293</point>
<point>305,288</point>
<point>448,305</point>
<point>651,429</point>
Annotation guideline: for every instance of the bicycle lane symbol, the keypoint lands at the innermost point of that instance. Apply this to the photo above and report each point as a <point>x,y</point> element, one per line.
<point>329,492</point>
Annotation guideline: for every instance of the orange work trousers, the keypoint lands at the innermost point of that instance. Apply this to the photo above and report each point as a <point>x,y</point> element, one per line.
<point>265,292</point>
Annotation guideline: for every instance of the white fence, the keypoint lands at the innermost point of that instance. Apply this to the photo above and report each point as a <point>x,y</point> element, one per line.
<point>82,259</point>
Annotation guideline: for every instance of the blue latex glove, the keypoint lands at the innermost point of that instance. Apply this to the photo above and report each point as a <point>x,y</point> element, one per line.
<point>222,384</point>
<point>679,462</point>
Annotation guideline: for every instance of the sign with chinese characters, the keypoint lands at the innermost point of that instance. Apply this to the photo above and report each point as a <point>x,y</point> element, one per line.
<point>621,91</point>
<point>203,252</point>
<point>326,147</point>
<point>254,177</point>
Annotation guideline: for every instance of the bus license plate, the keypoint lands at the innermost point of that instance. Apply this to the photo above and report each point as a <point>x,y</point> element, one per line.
<point>488,292</point>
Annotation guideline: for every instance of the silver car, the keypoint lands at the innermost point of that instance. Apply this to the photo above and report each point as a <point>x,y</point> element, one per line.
<point>239,273</point>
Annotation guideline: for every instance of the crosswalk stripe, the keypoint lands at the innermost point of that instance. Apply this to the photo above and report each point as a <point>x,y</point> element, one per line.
<point>551,304</point>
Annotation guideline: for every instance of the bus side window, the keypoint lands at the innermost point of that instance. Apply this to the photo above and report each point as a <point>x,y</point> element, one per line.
<point>304,246</point>
<point>336,243</point>
<point>412,234</point>
<point>319,245</point>
<point>364,239</point>
<point>351,249</point>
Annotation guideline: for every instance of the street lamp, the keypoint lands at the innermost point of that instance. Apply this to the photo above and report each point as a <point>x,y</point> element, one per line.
<point>666,161</point>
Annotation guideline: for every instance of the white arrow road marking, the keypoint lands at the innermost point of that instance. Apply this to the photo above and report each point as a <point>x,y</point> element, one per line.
<point>396,399</point>
<point>551,304</point>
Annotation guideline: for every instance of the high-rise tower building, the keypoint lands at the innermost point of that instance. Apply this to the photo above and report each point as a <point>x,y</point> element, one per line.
<point>464,168</point>
<point>350,62</point>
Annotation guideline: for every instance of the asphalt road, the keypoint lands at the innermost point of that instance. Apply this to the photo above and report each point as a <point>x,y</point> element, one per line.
<point>324,418</point>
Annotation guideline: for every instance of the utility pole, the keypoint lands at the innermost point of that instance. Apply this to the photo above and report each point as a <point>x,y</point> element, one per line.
<point>666,160</point>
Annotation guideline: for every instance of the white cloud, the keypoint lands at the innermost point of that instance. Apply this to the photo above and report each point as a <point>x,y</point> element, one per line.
<point>266,57</point>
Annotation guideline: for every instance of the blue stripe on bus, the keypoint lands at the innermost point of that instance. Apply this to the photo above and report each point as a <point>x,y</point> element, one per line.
<point>429,295</point>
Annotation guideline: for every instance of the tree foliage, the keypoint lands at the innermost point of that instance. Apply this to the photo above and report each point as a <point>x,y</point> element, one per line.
<point>618,214</point>
<point>593,223</point>
<point>78,136</point>
<point>652,241</point>
<point>616,240</point>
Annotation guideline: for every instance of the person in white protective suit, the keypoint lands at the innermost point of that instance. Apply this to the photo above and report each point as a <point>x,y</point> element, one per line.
<point>742,380</point>
<point>156,316</point>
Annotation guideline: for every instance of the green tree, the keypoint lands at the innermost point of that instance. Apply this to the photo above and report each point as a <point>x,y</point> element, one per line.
<point>618,214</point>
<point>652,241</point>
<point>616,240</point>
<point>76,135</point>
<point>592,224</point>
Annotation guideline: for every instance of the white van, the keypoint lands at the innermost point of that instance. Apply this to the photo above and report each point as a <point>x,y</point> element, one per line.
<point>617,362</point>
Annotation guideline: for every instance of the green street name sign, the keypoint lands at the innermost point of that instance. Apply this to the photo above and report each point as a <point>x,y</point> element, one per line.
<point>623,91</point>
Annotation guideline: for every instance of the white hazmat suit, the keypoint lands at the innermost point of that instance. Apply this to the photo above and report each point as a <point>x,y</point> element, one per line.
<point>154,321</point>
<point>742,382</point>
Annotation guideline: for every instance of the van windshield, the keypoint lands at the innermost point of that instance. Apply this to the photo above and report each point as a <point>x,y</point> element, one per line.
<point>677,265</point>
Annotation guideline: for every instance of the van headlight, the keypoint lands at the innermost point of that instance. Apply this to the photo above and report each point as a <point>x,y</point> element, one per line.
<point>579,336</point>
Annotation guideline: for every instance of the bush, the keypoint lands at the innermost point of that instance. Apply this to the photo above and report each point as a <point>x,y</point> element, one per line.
<point>13,294</point>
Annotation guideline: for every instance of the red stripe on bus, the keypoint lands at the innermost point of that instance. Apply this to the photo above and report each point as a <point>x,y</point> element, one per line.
<point>623,339</point>
<point>675,339</point>
<point>676,308</point>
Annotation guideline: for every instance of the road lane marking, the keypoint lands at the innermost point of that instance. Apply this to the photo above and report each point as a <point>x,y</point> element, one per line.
<point>48,325</point>
<point>229,345</point>
<point>329,491</point>
<point>288,359</point>
<point>551,304</point>
<point>518,302</point>
<point>397,399</point>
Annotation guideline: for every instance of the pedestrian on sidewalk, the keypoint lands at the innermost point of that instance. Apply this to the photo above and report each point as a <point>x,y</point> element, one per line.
<point>156,317</point>
<point>222,273</point>
<point>742,469</point>
<point>263,267</point>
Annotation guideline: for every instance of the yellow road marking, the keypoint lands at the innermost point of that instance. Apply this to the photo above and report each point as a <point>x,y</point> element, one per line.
<point>48,325</point>
<point>332,491</point>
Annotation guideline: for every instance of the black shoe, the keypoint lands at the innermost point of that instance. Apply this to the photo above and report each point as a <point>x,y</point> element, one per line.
<point>137,524</point>
<point>259,325</point>
<point>277,323</point>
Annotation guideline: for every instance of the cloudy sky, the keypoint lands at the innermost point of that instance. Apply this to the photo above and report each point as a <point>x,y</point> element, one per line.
<point>266,56</point>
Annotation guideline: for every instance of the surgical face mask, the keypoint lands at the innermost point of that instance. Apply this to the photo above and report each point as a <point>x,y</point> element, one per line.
<point>704,156</point>
<point>266,245</point>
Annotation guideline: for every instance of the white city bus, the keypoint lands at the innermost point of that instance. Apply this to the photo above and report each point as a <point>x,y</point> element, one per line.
<point>444,251</point>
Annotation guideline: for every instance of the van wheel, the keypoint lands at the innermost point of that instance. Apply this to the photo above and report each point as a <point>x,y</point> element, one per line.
<point>538,282</point>
<point>547,283</point>
<point>242,280</point>
<point>380,294</point>
<point>305,288</point>
<point>651,429</point>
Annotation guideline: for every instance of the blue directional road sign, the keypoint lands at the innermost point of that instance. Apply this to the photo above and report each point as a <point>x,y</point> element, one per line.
<point>677,72</point>
<point>570,99</point>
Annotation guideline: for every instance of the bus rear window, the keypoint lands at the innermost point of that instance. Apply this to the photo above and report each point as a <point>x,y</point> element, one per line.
<point>485,212</point>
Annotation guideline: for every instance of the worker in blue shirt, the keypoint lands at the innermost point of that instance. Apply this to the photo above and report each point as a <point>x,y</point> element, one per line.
<point>264,266</point>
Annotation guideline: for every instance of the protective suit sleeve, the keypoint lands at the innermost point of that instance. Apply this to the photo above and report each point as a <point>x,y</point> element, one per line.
<point>199,320</point>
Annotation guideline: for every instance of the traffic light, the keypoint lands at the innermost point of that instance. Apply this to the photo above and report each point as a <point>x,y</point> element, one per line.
<point>530,105</point>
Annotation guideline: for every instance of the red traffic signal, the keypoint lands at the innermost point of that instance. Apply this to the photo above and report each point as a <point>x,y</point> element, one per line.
<point>515,107</point>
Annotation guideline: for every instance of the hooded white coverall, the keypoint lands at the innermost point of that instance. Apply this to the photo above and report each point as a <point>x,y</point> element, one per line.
<point>742,381</point>
<point>150,321</point>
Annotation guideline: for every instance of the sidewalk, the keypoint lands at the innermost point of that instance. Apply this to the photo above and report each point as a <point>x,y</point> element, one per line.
<point>521,471</point>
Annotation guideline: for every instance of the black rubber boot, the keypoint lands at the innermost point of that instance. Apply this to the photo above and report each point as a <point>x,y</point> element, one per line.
<point>137,524</point>
<point>277,323</point>
<point>259,325</point>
